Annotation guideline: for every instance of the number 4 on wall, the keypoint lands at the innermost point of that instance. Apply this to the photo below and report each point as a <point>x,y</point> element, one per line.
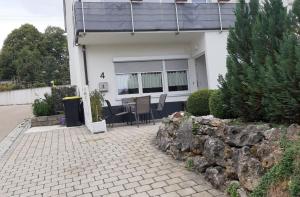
<point>102,75</point>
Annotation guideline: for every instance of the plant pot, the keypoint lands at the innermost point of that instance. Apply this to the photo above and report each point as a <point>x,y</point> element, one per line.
<point>98,127</point>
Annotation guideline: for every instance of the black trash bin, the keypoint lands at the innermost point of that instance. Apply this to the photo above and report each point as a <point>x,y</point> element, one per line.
<point>72,111</point>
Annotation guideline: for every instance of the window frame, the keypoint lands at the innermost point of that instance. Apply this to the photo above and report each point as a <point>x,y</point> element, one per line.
<point>164,81</point>
<point>179,70</point>
<point>117,91</point>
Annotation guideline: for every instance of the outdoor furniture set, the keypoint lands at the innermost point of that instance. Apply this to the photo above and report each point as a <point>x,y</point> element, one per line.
<point>137,108</point>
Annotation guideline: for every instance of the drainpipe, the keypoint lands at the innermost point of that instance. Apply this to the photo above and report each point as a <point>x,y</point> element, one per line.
<point>85,65</point>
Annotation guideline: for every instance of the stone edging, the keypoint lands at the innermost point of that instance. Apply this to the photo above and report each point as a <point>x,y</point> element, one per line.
<point>9,140</point>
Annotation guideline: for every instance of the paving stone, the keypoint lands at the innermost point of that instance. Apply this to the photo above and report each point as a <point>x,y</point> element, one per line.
<point>171,188</point>
<point>186,191</point>
<point>127,192</point>
<point>171,194</point>
<point>143,194</point>
<point>143,188</point>
<point>73,162</point>
<point>202,194</point>
<point>158,184</point>
<point>156,192</point>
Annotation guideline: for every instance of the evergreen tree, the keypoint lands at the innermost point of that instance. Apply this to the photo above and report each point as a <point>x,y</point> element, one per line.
<point>271,24</point>
<point>234,87</point>
<point>282,100</point>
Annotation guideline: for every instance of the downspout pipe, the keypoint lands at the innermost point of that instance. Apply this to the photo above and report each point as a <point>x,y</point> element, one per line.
<point>85,65</point>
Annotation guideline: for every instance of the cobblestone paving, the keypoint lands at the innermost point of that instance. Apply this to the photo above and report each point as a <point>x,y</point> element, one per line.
<point>73,162</point>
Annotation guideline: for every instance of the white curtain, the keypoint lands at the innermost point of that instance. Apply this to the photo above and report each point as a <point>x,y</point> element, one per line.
<point>151,80</point>
<point>127,81</point>
<point>177,78</point>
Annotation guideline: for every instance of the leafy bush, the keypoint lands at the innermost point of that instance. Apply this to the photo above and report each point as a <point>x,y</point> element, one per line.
<point>44,107</point>
<point>216,104</point>
<point>96,99</point>
<point>7,87</point>
<point>59,93</point>
<point>198,102</point>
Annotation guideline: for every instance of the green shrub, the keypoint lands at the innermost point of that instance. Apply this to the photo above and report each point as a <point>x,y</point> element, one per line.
<point>44,107</point>
<point>58,93</point>
<point>96,99</point>
<point>198,102</point>
<point>216,104</point>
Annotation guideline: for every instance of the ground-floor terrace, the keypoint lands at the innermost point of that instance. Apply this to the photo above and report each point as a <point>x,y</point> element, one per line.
<point>74,162</point>
<point>124,65</point>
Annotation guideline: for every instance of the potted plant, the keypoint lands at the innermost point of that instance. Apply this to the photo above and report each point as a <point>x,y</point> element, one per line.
<point>98,123</point>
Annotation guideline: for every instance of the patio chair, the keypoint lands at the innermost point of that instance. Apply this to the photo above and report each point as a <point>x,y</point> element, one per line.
<point>112,115</point>
<point>161,103</point>
<point>143,107</point>
<point>126,101</point>
<point>128,106</point>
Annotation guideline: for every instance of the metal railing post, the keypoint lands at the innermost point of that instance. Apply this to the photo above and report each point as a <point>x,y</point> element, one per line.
<point>220,17</point>
<point>132,16</point>
<point>177,20</point>
<point>83,19</point>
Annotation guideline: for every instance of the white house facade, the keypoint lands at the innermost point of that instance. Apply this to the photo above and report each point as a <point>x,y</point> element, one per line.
<point>133,48</point>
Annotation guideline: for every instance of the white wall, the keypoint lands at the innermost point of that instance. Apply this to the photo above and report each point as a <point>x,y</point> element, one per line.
<point>26,96</point>
<point>100,59</point>
<point>215,55</point>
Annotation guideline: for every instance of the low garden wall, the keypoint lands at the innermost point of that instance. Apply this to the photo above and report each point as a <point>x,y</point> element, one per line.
<point>222,150</point>
<point>25,96</point>
<point>47,120</point>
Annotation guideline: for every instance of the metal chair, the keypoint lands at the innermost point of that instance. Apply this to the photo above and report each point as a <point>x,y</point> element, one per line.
<point>161,103</point>
<point>128,105</point>
<point>143,107</point>
<point>112,114</point>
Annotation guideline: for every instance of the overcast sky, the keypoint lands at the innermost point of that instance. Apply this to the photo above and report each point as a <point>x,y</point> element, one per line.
<point>40,13</point>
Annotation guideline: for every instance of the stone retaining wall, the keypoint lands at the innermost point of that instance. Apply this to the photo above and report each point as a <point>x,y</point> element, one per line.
<point>47,120</point>
<point>222,151</point>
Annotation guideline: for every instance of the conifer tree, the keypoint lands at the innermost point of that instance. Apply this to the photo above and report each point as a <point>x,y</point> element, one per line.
<point>234,87</point>
<point>271,24</point>
<point>282,100</point>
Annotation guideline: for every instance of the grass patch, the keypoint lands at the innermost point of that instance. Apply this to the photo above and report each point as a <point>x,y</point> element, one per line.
<point>189,164</point>
<point>232,190</point>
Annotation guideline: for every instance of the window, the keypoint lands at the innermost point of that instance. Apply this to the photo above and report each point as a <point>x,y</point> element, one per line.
<point>177,81</point>
<point>153,76</point>
<point>152,82</point>
<point>127,83</point>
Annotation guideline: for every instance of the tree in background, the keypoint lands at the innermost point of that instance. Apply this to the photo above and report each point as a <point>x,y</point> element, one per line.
<point>35,59</point>
<point>25,36</point>
<point>56,59</point>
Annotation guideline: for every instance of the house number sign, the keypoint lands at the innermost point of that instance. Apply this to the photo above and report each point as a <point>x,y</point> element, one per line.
<point>102,76</point>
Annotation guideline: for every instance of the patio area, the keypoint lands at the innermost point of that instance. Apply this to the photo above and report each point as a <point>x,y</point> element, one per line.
<point>73,162</point>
